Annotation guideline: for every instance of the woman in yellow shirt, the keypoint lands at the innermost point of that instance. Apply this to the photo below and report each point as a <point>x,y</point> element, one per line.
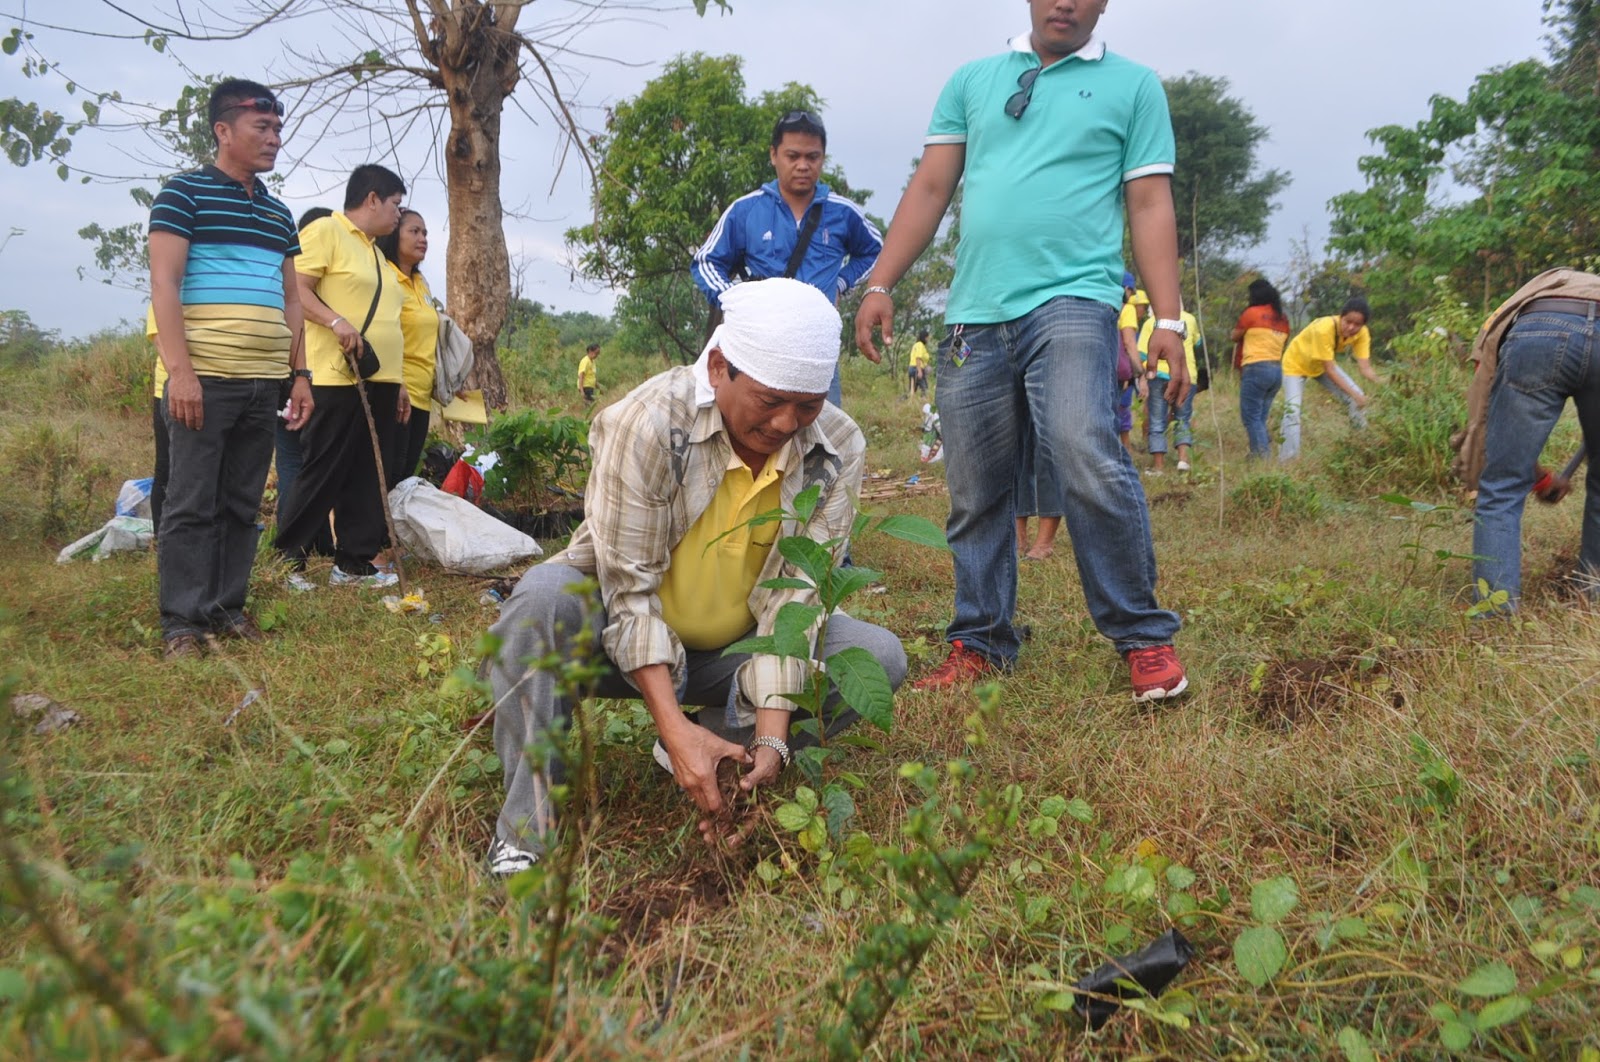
<point>405,248</point>
<point>1259,337</point>
<point>1310,357</point>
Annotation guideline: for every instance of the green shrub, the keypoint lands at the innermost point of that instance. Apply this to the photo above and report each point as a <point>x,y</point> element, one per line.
<point>542,456</point>
<point>1277,497</point>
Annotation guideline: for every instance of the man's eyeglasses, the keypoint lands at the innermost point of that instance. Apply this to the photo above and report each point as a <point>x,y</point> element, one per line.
<point>1018,103</point>
<point>260,104</point>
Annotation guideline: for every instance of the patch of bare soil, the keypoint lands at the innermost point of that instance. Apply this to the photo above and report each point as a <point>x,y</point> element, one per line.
<point>1294,691</point>
<point>703,879</point>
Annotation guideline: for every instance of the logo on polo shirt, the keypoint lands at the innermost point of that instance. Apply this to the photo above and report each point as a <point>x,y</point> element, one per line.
<point>767,236</point>
<point>1084,94</point>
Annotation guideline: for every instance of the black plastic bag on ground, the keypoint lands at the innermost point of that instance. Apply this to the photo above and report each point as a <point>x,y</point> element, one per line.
<point>1152,968</point>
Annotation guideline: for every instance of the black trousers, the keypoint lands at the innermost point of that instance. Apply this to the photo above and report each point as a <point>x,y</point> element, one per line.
<point>409,440</point>
<point>341,475</point>
<point>163,470</point>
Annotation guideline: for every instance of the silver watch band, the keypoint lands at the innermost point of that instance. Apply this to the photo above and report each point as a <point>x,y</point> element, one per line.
<point>776,745</point>
<point>1172,325</point>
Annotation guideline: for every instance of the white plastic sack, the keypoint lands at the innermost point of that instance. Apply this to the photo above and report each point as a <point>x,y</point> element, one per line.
<point>134,498</point>
<point>442,529</point>
<point>118,534</point>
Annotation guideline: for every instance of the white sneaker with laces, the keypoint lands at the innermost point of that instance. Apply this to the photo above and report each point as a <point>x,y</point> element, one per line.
<point>506,860</point>
<point>1183,466</point>
<point>375,581</point>
<point>298,582</point>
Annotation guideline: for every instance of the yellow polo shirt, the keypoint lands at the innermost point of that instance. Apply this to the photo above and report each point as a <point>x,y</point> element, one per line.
<point>419,323</point>
<point>150,333</point>
<point>586,375</point>
<point>1318,343</point>
<point>705,592</point>
<point>1128,317</point>
<point>1191,330</point>
<point>919,355</point>
<point>345,264</point>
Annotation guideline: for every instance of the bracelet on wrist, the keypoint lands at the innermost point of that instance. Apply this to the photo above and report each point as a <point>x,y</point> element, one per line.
<point>775,744</point>
<point>878,289</point>
<point>335,321</point>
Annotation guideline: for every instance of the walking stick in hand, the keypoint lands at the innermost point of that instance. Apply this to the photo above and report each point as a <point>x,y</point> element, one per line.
<point>383,489</point>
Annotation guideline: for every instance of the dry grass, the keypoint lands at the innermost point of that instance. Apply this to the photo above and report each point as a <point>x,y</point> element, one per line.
<point>135,815</point>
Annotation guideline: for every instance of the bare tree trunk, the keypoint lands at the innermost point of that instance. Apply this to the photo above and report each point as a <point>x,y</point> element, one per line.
<point>476,54</point>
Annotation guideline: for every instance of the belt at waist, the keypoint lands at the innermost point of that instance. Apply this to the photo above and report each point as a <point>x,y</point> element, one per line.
<point>1578,307</point>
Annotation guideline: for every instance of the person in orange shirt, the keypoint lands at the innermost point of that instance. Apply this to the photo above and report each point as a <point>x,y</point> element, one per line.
<point>1259,339</point>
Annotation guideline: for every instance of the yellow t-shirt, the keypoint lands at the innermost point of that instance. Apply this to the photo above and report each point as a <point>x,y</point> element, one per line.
<point>160,373</point>
<point>345,265</point>
<point>419,323</point>
<point>586,371</point>
<point>1129,317</point>
<point>705,592</point>
<point>1318,343</point>
<point>919,355</point>
<point>1191,332</point>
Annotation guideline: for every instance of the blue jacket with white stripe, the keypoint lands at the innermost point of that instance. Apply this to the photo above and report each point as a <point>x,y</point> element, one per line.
<point>755,236</point>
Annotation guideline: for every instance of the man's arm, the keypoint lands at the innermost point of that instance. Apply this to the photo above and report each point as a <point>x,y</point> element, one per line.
<point>863,244</point>
<point>719,258</point>
<point>169,257</point>
<point>916,221</point>
<point>300,401</point>
<point>314,309</point>
<point>694,750</point>
<point>1154,225</point>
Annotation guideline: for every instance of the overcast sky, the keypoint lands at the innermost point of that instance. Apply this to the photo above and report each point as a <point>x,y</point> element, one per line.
<point>1318,76</point>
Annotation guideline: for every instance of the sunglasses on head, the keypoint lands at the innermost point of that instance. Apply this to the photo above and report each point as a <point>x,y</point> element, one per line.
<point>1018,103</point>
<point>260,104</point>
<point>799,118</point>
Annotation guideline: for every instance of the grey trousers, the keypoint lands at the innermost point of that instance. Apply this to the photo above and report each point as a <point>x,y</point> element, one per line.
<point>208,520</point>
<point>542,616</point>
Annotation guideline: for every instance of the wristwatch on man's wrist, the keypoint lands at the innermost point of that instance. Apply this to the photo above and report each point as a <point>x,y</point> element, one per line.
<point>304,374</point>
<point>1173,326</point>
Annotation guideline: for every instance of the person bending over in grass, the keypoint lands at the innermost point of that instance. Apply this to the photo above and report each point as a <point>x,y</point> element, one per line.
<point>680,466</point>
<point>1310,357</point>
<point>1537,350</point>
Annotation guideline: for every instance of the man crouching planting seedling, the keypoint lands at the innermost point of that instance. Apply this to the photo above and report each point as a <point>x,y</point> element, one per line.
<point>702,604</point>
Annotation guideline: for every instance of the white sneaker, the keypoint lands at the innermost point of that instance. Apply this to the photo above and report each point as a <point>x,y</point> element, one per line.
<point>1183,466</point>
<point>298,582</point>
<point>375,581</point>
<point>506,860</point>
<point>664,761</point>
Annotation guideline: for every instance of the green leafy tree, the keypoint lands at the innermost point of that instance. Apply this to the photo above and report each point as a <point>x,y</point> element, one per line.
<point>669,162</point>
<point>1487,190</point>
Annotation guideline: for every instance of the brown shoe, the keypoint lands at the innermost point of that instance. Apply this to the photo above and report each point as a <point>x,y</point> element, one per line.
<point>961,668</point>
<point>183,647</point>
<point>246,629</point>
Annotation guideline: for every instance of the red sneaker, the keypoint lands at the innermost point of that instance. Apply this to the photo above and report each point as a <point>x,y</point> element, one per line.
<point>1156,673</point>
<point>962,666</point>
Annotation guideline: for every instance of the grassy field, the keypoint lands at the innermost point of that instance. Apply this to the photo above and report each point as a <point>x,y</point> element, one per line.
<point>1377,821</point>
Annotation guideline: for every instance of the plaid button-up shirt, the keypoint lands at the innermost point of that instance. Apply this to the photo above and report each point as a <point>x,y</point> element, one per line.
<point>659,455</point>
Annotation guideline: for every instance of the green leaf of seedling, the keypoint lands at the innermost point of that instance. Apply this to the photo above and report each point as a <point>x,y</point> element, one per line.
<point>1491,979</point>
<point>785,584</point>
<point>1503,1011</point>
<point>840,808</point>
<point>1259,953</point>
<point>806,798</point>
<point>792,817</point>
<point>1353,1042</point>
<point>858,526</point>
<point>1271,900</point>
<point>1180,877</point>
<point>847,581</point>
<point>791,630</point>
<point>762,645</point>
<point>805,503</point>
<point>1080,810</point>
<point>812,558</point>
<point>1455,1035</point>
<point>864,685</point>
<point>1350,928</point>
<point>1180,907</point>
<point>917,530</point>
<point>1053,807</point>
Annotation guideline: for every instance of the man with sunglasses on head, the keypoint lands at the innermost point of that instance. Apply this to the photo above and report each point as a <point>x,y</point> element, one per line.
<point>792,226</point>
<point>222,287</point>
<point>1053,138</point>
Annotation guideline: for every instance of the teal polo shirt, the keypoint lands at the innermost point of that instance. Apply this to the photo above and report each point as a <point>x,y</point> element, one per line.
<point>1042,208</point>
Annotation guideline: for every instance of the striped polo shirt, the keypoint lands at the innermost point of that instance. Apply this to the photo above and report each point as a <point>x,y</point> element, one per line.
<point>232,291</point>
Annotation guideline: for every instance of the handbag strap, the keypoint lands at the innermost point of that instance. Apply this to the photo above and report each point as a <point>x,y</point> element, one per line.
<point>807,230</point>
<point>378,293</point>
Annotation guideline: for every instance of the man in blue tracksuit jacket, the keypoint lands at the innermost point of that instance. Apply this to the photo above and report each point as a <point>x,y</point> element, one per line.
<point>755,237</point>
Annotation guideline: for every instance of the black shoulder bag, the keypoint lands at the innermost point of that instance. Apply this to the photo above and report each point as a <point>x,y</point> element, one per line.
<point>366,364</point>
<point>802,243</point>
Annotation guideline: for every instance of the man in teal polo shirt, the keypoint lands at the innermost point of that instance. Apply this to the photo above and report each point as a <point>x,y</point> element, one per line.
<point>1053,137</point>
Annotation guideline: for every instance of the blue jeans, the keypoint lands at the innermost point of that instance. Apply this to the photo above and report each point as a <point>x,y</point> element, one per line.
<point>1545,359</point>
<point>1294,394</point>
<point>1055,368</point>
<point>1259,383</point>
<point>1037,492</point>
<point>1162,411</point>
